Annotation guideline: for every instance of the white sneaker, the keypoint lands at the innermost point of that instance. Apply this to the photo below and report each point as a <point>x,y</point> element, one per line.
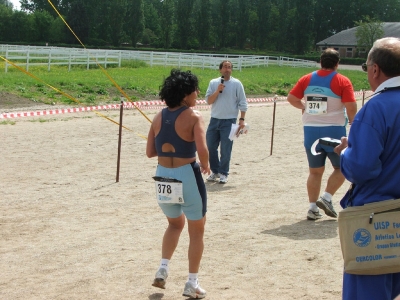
<point>195,292</point>
<point>313,215</point>
<point>213,177</point>
<point>161,277</point>
<point>327,207</point>
<point>223,178</point>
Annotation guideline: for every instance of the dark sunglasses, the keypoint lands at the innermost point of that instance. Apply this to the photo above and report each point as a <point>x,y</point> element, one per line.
<point>364,67</point>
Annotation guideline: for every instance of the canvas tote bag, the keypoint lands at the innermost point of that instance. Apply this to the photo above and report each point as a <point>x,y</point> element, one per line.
<point>370,238</point>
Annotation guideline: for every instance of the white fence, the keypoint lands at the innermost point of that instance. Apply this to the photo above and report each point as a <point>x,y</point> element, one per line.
<point>32,56</point>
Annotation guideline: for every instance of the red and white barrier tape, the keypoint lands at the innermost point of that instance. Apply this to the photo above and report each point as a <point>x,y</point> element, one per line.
<point>142,105</point>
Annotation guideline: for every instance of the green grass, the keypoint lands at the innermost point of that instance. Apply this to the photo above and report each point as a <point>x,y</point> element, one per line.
<point>7,122</point>
<point>40,120</point>
<point>141,82</point>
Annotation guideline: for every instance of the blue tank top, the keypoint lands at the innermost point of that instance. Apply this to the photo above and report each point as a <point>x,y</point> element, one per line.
<point>168,134</point>
<point>334,115</point>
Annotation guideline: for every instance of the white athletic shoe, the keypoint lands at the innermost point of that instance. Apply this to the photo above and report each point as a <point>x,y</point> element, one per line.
<point>195,292</point>
<point>313,215</point>
<point>223,178</point>
<point>327,207</point>
<point>161,277</point>
<point>213,177</point>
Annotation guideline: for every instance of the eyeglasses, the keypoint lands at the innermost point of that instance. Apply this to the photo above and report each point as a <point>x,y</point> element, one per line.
<point>364,66</point>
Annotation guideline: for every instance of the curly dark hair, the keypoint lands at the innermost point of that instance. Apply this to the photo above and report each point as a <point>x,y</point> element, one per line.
<point>176,86</point>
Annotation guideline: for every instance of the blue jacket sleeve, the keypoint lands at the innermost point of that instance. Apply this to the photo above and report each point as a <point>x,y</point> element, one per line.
<point>361,162</point>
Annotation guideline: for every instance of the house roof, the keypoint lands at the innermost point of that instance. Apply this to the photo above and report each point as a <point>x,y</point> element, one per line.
<point>348,37</point>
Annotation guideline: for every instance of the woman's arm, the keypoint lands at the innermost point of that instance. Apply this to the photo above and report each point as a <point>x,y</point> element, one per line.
<point>201,144</point>
<point>151,142</point>
<point>151,145</point>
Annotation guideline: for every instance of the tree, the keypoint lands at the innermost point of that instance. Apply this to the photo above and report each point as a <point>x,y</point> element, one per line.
<point>135,21</point>
<point>5,17</point>
<point>253,29</point>
<point>262,16</point>
<point>42,5</point>
<point>291,26</point>
<point>274,21</point>
<point>242,23</point>
<point>367,32</point>
<point>21,27</point>
<point>203,22</point>
<point>224,20</point>
<point>183,12</point>
<point>152,32</point>
<point>166,22</point>
<point>107,18</point>
<point>389,10</point>
<point>321,21</point>
<point>288,29</point>
<point>43,21</point>
<point>117,18</point>
<point>78,21</point>
<point>304,16</point>
<point>7,3</point>
<point>57,31</point>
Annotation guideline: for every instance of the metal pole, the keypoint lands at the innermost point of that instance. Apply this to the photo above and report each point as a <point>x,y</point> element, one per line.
<point>273,125</point>
<point>119,138</point>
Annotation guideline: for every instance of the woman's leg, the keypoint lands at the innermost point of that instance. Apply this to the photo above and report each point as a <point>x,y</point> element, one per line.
<point>196,232</point>
<point>170,241</point>
<point>171,235</point>
<point>196,245</point>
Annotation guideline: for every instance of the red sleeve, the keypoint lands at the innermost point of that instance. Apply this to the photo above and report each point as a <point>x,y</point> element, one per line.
<point>301,85</point>
<point>342,86</point>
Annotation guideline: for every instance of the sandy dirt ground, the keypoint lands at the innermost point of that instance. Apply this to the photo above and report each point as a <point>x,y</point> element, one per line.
<point>69,231</point>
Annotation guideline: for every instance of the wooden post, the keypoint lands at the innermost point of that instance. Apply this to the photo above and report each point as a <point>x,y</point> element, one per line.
<point>273,125</point>
<point>119,138</point>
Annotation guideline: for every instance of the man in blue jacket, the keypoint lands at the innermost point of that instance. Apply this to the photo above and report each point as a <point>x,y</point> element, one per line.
<point>370,157</point>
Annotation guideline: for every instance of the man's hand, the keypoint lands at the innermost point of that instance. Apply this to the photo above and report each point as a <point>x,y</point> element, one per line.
<point>220,88</point>
<point>343,145</point>
<point>241,124</point>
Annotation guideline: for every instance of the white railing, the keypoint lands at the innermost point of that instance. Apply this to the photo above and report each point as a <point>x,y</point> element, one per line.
<point>60,56</point>
<point>31,56</point>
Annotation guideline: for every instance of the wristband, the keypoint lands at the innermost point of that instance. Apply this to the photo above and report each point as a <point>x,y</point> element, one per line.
<point>241,119</point>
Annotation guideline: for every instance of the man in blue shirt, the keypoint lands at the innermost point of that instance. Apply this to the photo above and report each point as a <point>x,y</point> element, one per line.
<point>226,96</point>
<point>370,157</point>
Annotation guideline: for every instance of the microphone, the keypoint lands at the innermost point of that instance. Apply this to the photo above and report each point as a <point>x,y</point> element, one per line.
<point>222,81</point>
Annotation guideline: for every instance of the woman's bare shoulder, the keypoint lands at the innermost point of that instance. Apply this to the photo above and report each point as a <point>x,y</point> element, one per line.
<point>196,113</point>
